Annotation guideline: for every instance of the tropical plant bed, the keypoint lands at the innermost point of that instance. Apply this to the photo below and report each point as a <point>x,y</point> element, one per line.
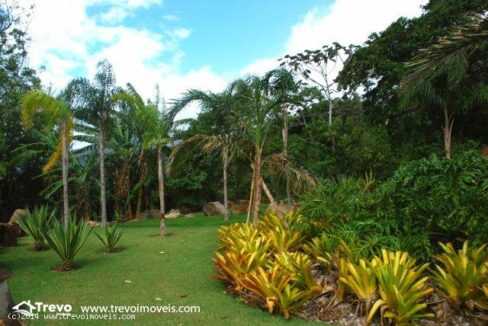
<point>274,267</point>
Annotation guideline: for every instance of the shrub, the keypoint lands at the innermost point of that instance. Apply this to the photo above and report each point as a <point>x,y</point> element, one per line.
<point>461,275</point>
<point>445,199</point>
<point>67,240</point>
<point>110,236</point>
<point>334,202</point>
<point>36,224</point>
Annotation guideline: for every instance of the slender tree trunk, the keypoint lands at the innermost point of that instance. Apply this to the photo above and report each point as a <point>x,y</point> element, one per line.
<point>103,200</point>
<point>65,172</point>
<point>267,192</point>
<point>250,198</point>
<point>162,225</point>
<point>447,131</point>
<point>225,162</point>
<point>257,187</point>
<point>285,152</point>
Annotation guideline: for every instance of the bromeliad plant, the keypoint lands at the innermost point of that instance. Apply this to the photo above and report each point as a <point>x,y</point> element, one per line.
<point>276,289</point>
<point>461,275</point>
<point>239,261</point>
<point>402,288</point>
<point>110,236</point>
<point>67,240</point>
<point>361,279</point>
<point>36,224</point>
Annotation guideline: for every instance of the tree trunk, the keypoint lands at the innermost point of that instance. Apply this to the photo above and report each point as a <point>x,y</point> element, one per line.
<point>257,187</point>
<point>65,172</point>
<point>447,131</point>
<point>103,200</point>
<point>162,209</point>
<point>250,198</point>
<point>285,152</point>
<point>225,161</point>
<point>267,192</point>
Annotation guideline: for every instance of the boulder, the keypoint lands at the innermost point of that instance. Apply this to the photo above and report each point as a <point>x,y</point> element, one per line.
<point>189,215</point>
<point>239,206</point>
<point>93,223</point>
<point>14,220</point>
<point>150,214</point>
<point>279,208</point>
<point>6,301</point>
<point>8,235</point>
<point>213,208</point>
<point>174,213</point>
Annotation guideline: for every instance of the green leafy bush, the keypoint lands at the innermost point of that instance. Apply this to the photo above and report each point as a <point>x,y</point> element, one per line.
<point>36,224</point>
<point>445,199</point>
<point>109,236</point>
<point>67,240</point>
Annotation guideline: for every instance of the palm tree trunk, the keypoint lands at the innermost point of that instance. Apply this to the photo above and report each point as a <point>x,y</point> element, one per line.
<point>103,200</point>
<point>285,152</point>
<point>447,131</point>
<point>162,225</point>
<point>65,172</point>
<point>257,187</point>
<point>250,198</point>
<point>225,161</point>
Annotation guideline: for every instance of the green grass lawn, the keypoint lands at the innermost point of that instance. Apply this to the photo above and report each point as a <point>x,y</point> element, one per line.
<point>179,276</point>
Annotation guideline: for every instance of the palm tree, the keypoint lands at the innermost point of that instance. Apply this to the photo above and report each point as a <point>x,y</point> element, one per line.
<point>284,88</point>
<point>158,125</point>
<point>219,104</point>
<point>255,116</point>
<point>56,111</point>
<point>436,74</point>
<point>94,109</point>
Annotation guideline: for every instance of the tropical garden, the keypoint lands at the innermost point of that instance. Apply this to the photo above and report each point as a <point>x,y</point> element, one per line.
<point>352,183</point>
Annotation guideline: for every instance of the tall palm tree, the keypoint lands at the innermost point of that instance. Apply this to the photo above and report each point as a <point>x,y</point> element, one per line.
<point>436,74</point>
<point>55,111</point>
<point>94,109</point>
<point>158,122</point>
<point>221,137</point>
<point>255,116</point>
<point>284,89</point>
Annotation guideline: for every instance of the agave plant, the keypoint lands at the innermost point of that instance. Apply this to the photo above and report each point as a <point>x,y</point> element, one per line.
<point>402,288</point>
<point>109,236</point>
<point>361,279</point>
<point>67,240</point>
<point>461,275</point>
<point>36,224</point>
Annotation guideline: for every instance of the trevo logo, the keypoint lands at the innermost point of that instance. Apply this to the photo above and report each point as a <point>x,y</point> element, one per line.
<point>28,310</point>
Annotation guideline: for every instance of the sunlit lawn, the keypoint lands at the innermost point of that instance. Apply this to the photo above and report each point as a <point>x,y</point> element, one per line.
<point>179,276</point>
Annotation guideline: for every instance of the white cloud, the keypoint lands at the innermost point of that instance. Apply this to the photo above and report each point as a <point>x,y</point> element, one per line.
<point>182,33</point>
<point>260,67</point>
<point>70,44</point>
<point>348,22</point>
<point>114,15</point>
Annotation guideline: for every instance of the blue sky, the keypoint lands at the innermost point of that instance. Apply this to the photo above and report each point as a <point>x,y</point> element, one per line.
<point>181,44</point>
